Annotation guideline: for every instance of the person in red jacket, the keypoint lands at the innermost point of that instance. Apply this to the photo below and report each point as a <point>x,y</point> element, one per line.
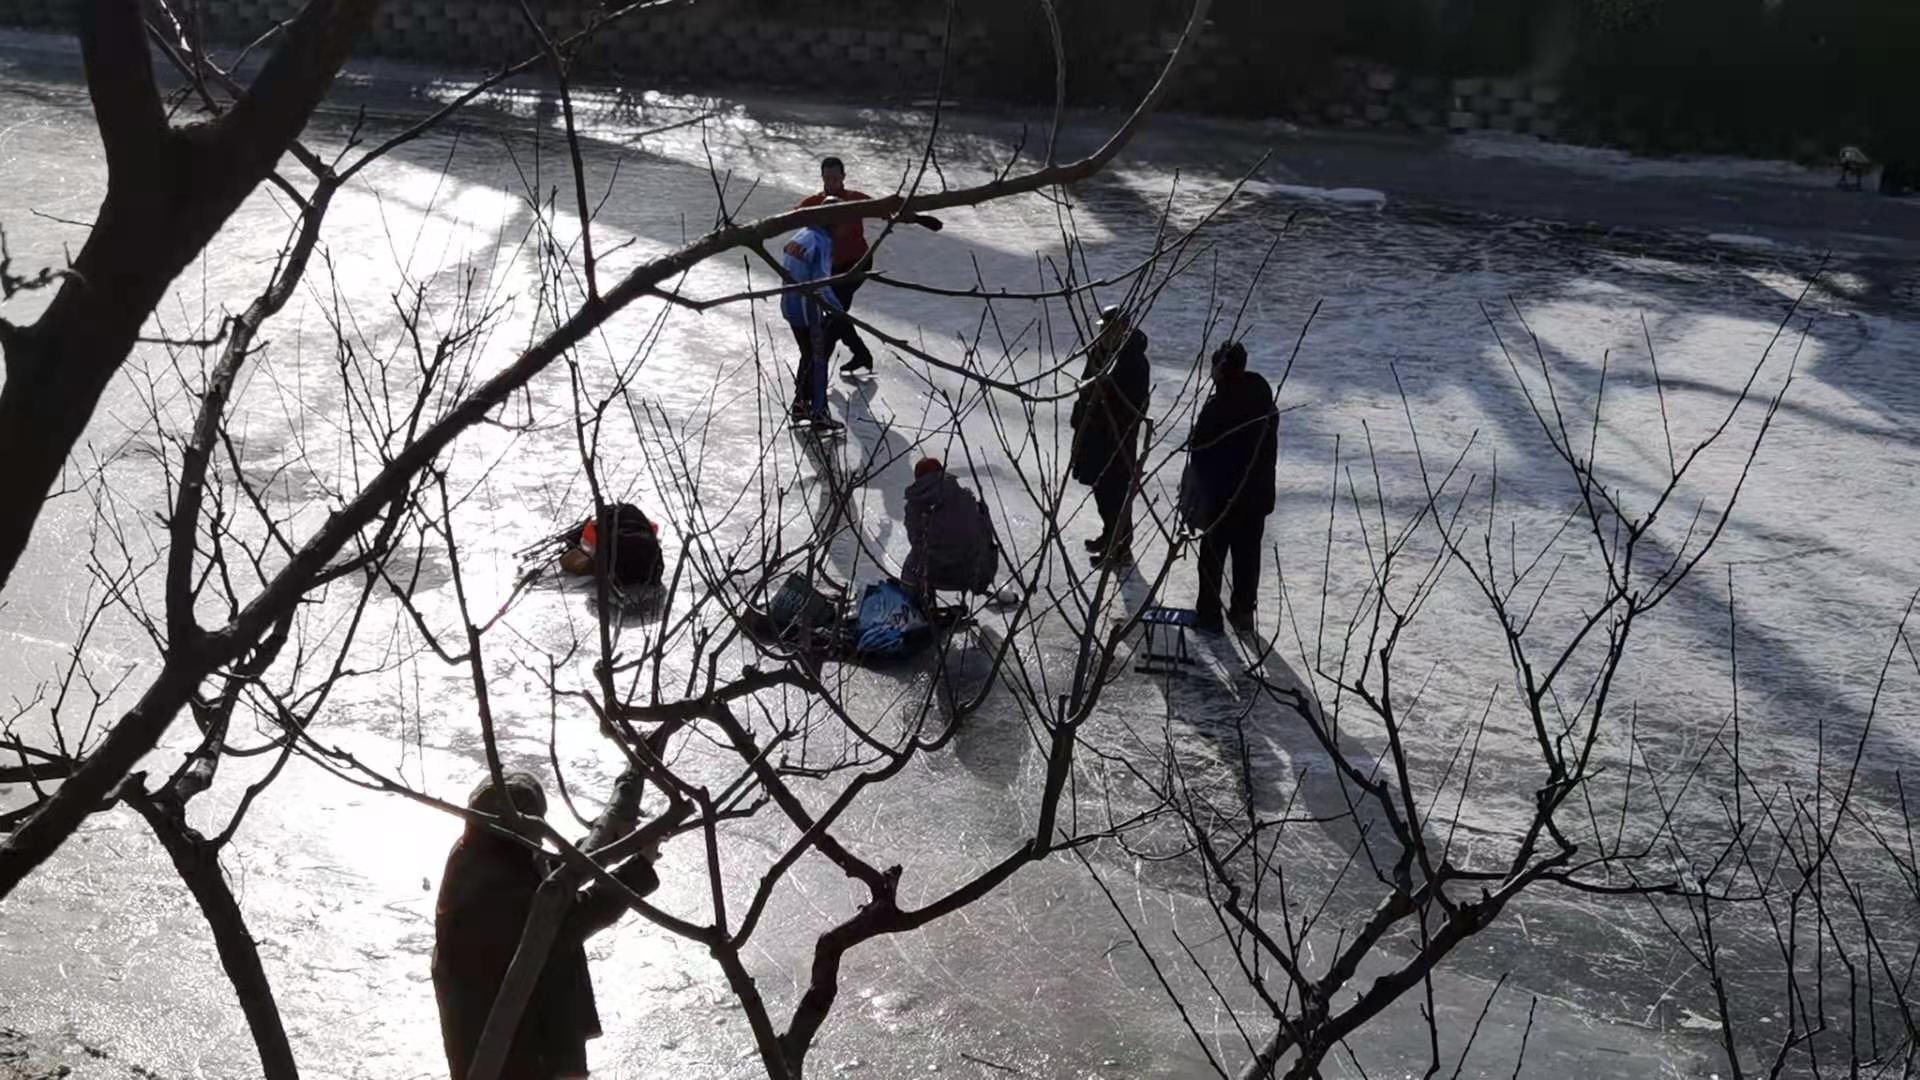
<point>850,256</point>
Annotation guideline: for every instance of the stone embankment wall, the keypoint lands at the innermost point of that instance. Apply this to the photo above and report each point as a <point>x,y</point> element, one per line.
<point>899,57</point>
<point>1369,96</point>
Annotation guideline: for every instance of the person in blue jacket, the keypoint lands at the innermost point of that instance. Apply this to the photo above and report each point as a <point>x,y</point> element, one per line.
<point>808,256</point>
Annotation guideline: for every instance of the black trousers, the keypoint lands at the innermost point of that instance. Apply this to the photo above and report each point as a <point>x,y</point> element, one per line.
<point>809,374</point>
<point>1113,498</point>
<point>1241,536</point>
<point>840,331</point>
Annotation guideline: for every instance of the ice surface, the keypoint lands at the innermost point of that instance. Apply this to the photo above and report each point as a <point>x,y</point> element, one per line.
<point>339,883</point>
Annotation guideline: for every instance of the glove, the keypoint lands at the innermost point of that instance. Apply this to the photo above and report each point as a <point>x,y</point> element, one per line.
<point>930,223</point>
<point>880,639</point>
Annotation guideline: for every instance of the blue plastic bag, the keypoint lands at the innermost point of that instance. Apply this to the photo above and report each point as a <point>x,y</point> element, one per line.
<point>888,623</point>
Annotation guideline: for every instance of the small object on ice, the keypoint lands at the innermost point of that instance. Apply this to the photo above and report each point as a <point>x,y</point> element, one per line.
<point>1693,1021</point>
<point>798,605</point>
<point>1164,640</point>
<point>893,1004</point>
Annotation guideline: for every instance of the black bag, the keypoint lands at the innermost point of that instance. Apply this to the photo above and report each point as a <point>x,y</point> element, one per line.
<point>632,556</point>
<point>798,605</point>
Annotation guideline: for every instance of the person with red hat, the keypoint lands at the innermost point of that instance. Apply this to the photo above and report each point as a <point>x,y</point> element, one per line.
<point>951,544</point>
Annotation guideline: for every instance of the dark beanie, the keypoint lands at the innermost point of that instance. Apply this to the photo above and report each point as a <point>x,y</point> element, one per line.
<point>1231,356</point>
<point>926,465</point>
<point>528,797</point>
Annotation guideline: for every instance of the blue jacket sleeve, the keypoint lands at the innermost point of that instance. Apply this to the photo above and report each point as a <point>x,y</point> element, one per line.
<point>808,257</point>
<point>823,268</point>
<point>793,304</point>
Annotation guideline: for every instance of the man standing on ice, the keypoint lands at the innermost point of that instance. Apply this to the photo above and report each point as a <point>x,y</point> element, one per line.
<point>1106,420</point>
<point>850,257</point>
<point>808,257</point>
<point>1231,459</point>
<point>485,895</point>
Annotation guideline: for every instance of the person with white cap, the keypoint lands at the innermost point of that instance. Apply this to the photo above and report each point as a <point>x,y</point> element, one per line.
<point>808,257</point>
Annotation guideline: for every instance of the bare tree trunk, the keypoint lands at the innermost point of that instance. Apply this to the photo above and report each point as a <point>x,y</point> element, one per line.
<point>169,190</point>
<point>99,774</point>
<point>139,731</point>
<point>198,863</point>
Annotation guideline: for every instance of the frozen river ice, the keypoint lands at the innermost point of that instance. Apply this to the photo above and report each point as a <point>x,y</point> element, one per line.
<point>338,883</point>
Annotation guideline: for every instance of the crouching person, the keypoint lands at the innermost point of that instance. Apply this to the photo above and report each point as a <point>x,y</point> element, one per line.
<point>621,542</point>
<point>485,896</point>
<point>950,539</point>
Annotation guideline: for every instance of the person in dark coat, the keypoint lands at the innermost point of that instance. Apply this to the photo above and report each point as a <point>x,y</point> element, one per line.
<point>485,895</point>
<point>1106,431</point>
<point>950,538</point>
<point>1230,484</point>
<point>632,560</point>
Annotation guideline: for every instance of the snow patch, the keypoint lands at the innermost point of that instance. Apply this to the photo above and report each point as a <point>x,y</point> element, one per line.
<point>1195,196</point>
<point>1621,164</point>
<point>1346,196</point>
<point>1693,1021</point>
<point>1741,240</point>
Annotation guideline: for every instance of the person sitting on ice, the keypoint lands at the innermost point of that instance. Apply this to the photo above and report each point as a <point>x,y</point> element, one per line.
<point>950,539</point>
<point>631,558</point>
